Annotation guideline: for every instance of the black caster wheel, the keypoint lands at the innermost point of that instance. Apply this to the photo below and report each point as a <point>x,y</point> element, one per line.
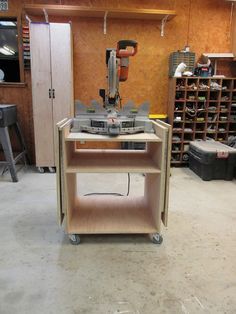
<point>74,239</point>
<point>156,238</point>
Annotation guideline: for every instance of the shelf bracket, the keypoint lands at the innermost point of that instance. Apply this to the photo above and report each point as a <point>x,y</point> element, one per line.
<point>45,15</point>
<point>163,23</point>
<point>27,18</point>
<point>105,23</point>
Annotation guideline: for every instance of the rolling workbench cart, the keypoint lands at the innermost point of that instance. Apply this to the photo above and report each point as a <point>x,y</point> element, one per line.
<point>110,214</point>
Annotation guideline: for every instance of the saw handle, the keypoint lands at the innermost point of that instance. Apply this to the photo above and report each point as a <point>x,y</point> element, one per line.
<point>122,46</point>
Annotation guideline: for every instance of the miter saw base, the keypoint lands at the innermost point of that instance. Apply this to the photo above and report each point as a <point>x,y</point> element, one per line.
<point>98,120</point>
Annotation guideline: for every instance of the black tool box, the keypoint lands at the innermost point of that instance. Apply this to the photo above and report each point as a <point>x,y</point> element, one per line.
<point>212,160</point>
<point>7,115</point>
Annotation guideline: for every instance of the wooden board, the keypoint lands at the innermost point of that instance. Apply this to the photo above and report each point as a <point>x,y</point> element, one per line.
<point>167,158</point>
<point>68,182</point>
<point>42,104</point>
<point>82,11</point>
<point>155,187</point>
<point>70,196</point>
<point>140,137</point>
<point>111,161</point>
<point>153,197</point>
<point>233,31</point>
<point>111,214</point>
<point>58,163</point>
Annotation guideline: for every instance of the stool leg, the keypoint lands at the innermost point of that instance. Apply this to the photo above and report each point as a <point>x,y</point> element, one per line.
<point>6,145</point>
<point>22,142</point>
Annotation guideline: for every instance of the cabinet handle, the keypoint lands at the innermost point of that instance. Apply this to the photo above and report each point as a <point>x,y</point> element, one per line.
<point>49,93</point>
<point>53,93</point>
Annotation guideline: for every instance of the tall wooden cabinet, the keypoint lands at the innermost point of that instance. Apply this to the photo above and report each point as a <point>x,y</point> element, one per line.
<point>52,84</point>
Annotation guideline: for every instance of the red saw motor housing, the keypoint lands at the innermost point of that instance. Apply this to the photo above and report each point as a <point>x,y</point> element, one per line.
<point>125,49</point>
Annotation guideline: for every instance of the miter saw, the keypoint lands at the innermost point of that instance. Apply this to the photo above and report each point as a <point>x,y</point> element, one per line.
<point>112,118</point>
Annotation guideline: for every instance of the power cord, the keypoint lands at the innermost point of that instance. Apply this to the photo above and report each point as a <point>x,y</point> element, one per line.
<point>115,194</point>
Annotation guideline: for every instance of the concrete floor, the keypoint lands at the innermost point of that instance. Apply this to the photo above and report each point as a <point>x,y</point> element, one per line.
<point>193,271</point>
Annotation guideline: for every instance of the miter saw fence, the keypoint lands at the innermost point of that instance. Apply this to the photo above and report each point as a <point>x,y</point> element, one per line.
<point>111,118</point>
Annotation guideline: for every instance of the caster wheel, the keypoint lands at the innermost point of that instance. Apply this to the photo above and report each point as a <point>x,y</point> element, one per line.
<point>156,238</point>
<point>40,169</point>
<point>51,169</point>
<point>74,239</point>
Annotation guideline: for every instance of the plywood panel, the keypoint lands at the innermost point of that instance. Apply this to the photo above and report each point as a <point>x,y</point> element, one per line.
<point>111,214</point>
<point>233,30</point>
<point>86,11</point>
<point>166,168</point>
<point>94,145</point>
<point>148,75</point>
<point>153,197</point>
<point>59,166</point>
<point>111,161</point>
<point>139,137</point>
<point>155,185</point>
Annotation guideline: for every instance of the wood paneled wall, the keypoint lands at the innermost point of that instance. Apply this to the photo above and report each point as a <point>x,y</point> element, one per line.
<point>21,96</point>
<point>208,30</point>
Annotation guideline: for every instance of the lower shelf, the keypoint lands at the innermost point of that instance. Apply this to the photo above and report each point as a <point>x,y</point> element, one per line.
<point>111,214</point>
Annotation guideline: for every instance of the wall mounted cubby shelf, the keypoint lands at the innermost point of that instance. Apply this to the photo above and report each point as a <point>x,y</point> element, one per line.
<point>100,12</point>
<point>200,108</point>
<point>111,214</point>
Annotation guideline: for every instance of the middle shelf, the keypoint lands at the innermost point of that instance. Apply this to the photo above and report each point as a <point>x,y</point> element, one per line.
<point>133,161</point>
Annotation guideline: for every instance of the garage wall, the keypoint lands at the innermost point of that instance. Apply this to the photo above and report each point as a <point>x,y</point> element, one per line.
<point>208,30</point>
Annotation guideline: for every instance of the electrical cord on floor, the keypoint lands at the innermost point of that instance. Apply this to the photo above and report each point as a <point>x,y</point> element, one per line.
<point>115,194</point>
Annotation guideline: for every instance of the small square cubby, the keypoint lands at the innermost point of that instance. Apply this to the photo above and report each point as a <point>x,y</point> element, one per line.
<point>225,96</point>
<point>179,106</point>
<point>203,85</point>
<point>227,84</point>
<point>212,117</point>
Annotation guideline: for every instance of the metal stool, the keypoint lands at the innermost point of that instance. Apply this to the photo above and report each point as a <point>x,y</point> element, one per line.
<point>8,118</point>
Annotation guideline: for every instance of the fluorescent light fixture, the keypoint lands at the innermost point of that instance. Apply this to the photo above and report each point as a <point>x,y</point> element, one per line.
<point>7,51</point>
<point>7,23</point>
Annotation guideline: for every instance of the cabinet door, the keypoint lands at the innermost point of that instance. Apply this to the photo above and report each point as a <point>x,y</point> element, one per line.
<point>41,83</point>
<point>62,71</point>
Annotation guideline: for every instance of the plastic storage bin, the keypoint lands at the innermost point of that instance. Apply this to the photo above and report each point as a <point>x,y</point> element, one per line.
<point>212,160</point>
